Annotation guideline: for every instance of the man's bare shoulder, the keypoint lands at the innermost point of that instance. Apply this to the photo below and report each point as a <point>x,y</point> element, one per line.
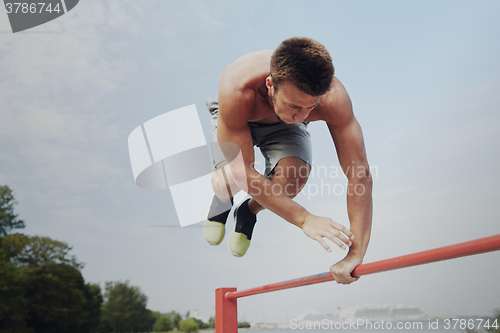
<point>335,106</point>
<point>247,72</point>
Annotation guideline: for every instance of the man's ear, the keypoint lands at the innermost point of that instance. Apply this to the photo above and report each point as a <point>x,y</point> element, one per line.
<point>269,82</point>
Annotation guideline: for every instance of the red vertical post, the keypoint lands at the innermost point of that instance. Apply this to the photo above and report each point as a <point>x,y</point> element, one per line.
<point>226,312</point>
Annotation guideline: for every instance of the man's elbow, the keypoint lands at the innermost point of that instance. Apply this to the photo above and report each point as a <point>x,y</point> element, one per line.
<point>361,179</point>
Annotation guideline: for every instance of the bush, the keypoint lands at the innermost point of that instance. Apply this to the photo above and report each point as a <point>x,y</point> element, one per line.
<point>162,323</point>
<point>188,325</point>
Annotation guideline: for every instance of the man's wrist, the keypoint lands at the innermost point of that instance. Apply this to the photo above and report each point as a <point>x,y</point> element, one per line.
<point>356,253</point>
<point>301,217</point>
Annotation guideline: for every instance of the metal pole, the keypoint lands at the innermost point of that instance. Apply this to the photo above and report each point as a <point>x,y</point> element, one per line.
<point>477,246</point>
<point>226,312</point>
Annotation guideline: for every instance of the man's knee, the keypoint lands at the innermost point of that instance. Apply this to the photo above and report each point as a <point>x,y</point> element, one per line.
<point>292,174</point>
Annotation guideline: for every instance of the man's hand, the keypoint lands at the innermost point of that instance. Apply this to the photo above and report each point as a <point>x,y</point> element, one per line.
<point>317,227</point>
<point>342,270</point>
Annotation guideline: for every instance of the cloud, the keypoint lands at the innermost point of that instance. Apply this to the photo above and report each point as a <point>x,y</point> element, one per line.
<point>53,88</point>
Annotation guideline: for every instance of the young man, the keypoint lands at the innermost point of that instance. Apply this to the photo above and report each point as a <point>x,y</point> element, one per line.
<point>266,99</point>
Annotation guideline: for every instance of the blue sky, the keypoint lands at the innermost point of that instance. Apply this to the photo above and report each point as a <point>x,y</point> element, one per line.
<point>424,80</point>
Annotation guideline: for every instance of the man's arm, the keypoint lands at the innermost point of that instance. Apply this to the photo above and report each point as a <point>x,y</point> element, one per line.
<point>348,138</point>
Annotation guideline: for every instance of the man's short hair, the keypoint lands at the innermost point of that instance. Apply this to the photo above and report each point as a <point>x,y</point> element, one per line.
<point>304,62</point>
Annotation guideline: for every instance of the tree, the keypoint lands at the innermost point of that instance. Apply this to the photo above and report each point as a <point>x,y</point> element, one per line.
<point>211,322</point>
<point>38,251</point>
<point>94,299</point>
<point>13,302</point>
<point>125,309</point>
<point>188,325</point>
<point>42,288</point>
<point>175,318</point>
<point>48,282</point>
<point>8,220</point>
<point>201,324</point>
<point>162,323</point>
<point>56,299</point>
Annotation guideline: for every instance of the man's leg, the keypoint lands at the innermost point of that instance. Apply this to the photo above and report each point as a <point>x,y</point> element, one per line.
<point>225,188</point>
<point>291,174</point>
<point>222,183</point>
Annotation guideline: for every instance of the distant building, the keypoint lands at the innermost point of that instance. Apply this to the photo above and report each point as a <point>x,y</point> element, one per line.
<point>318,316</point>
<point>370,312</point>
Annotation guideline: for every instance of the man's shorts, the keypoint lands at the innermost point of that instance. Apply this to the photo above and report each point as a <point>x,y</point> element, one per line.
<point>275,141</point>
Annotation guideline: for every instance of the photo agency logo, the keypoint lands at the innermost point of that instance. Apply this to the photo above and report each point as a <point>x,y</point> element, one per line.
<point>25,15</point>
<point>171,150</point>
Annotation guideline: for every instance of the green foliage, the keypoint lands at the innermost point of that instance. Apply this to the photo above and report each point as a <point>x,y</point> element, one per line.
<point>38,251</point>
<point>41,292</point>
<point>175,318</point>
<point>211,322</point>
<point>41,287</point>
<point>104,327</point>
<point>93,303</point>
<point>162,322</point>
<point>50,298</point>
<point>188,325</point>
<point>56,299</point>
<point>13,302</point>
<point>125,308</point>
<point>201,324</point>
<point>8,220</point>
<point>243,324</point>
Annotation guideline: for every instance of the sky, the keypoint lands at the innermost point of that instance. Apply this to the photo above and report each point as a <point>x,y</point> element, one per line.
<point>424,79</point>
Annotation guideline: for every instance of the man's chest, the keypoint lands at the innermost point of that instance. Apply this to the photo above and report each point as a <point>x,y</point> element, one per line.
<point>263,112</point>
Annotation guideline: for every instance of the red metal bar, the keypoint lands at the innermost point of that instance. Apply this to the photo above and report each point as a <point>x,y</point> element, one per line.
<point>226,312</point>
<point>477,246</point>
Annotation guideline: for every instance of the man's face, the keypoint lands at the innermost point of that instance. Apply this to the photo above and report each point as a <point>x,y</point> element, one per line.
<point>292,105</point>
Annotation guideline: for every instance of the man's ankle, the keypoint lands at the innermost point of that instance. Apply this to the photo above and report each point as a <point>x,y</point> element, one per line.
<point>245,220</point>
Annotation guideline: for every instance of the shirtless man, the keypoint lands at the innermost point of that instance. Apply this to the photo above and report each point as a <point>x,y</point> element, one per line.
<point>266,99</point>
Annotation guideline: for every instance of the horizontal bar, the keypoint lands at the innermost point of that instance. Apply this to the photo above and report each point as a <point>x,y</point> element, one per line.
<point>481,245</point>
